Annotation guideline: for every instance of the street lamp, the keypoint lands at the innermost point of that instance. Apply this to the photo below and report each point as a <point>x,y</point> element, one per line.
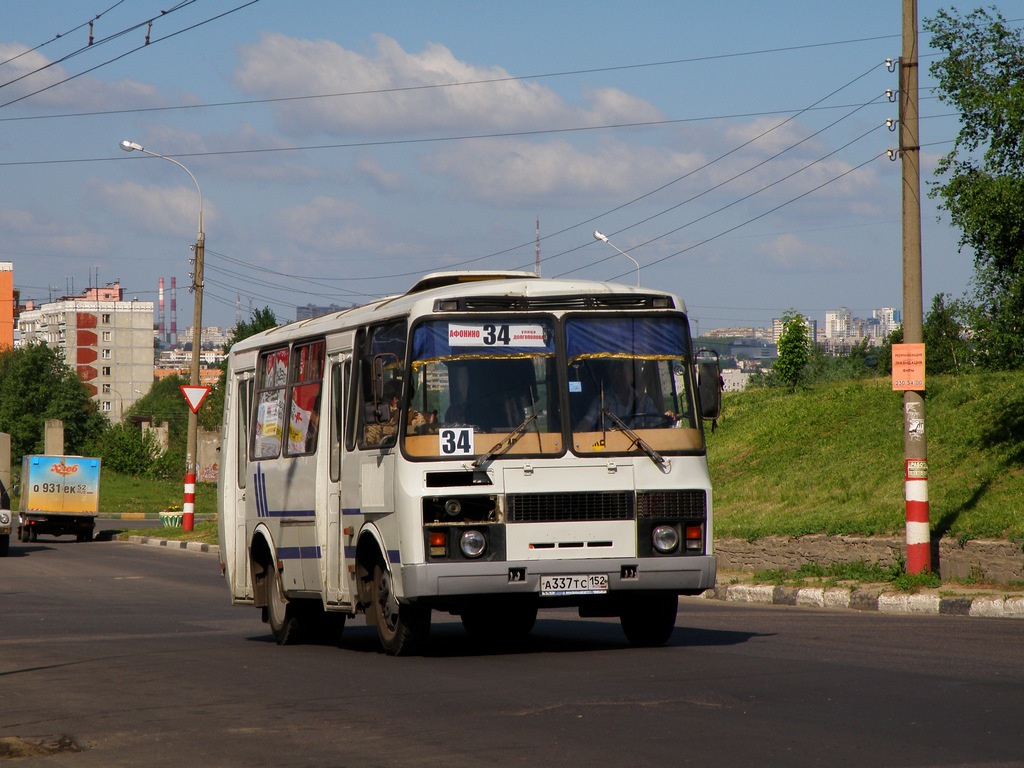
<point>191,450</point>
<point>604,239</point>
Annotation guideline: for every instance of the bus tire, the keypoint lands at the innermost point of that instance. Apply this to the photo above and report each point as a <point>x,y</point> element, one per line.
<point>648,619</point>
<point>5,544</point>
<point>281,614</point>
<point>401,628</point>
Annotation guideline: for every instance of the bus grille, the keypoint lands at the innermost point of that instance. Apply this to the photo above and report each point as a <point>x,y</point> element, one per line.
<point>569,507</point>
<point>672,505</point>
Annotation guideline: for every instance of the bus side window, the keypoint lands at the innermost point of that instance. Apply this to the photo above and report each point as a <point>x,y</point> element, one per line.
<point>271,381</point>
<point>306,375</point>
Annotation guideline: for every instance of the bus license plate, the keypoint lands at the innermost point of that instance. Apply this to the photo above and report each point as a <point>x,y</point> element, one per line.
<point>574,584</point>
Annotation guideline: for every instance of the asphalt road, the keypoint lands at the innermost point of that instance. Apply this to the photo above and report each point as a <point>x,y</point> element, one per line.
<point>134,655</point>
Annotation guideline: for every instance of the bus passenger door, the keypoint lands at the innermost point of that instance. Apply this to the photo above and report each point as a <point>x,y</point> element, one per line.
<point>238,547</point>
<point>338,580</point>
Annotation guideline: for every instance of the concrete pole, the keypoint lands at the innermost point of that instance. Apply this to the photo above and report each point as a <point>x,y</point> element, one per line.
<point>192,450</point>
<point>915,448</point>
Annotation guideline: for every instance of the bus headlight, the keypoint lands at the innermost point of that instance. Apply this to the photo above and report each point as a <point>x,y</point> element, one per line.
<point>665,539</point>
<point>472,543</point>
<point>5,518</point>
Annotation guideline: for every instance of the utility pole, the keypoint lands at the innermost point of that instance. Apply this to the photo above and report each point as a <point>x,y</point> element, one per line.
<point>915,447</point>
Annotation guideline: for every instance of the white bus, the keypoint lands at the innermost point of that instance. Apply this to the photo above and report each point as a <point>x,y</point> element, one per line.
<point>486,444</point>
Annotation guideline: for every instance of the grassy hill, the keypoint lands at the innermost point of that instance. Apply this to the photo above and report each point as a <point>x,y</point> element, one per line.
<point>830,460</point>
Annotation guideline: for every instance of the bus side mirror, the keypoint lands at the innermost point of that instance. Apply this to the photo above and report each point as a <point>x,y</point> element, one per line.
<point>709,384</point>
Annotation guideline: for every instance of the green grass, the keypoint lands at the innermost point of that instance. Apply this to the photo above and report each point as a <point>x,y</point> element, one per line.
<point>830,460</point>
<point>124,494</point>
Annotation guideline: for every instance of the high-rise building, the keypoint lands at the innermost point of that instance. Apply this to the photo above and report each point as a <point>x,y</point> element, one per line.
<point>108,341</point>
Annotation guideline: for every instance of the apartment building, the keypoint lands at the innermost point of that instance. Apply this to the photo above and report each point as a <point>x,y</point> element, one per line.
<point>107,340</point>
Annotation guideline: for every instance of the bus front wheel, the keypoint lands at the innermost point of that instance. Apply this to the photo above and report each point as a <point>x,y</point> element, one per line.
<point>648,619</point>
<point>402,628</point>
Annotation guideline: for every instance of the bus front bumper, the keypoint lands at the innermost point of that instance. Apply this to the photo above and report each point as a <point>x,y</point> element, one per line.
<point>682,575</point>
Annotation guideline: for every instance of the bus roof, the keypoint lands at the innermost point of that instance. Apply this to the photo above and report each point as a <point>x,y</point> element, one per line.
<point>498,290</point>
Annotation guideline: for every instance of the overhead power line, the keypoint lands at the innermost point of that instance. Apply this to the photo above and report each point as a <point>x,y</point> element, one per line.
<point>149,41</point>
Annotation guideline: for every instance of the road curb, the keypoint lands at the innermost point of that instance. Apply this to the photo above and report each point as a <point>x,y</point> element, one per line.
<point>990,606</point>
<point>192,546</point>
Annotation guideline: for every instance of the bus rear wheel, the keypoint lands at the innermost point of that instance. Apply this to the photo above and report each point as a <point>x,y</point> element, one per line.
<point>402,628</point>
<point>281,614</point>
<point>649,619</point>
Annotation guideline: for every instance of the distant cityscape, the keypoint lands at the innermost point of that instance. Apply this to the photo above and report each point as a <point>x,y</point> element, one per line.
<point>752,349</point>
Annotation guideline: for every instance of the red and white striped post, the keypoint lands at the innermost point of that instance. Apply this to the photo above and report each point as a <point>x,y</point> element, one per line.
<point>918,528</point>
<point>189,509</point>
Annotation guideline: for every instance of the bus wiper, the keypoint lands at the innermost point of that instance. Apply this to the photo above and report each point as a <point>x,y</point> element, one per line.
<point>505,444</point>
<point>638,441</point>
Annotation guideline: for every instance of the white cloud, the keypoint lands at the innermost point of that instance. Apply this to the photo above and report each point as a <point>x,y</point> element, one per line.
<point>26,232</point>
<point>370,171</point>
<point>395,92</point>
<point>518,170</point>
<point>43,79</point>
<point>153,209</point>
<point>330,225</point>
<point>790,253</point>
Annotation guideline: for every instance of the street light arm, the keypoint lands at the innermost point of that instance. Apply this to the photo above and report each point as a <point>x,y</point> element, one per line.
<point>604,239</point>
<point>132,146</point>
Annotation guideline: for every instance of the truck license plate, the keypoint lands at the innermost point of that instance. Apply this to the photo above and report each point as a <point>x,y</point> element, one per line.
<point>574,584</point>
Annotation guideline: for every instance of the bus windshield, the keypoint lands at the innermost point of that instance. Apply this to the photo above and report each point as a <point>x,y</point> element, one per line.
<point>630,377</point>
<point>479,382</point>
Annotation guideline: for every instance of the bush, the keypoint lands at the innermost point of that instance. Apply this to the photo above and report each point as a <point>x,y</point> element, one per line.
<point>124,448</point>
<point>169,465</point>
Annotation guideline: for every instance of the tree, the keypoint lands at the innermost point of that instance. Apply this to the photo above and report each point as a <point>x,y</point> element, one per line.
<point>982,75</point>
<point>260,320</point>
<point>794,350</point>
<point>946,349</point>
<point>35,386</point>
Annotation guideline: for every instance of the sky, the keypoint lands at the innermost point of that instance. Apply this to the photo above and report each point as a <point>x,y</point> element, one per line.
<point>736,150</point>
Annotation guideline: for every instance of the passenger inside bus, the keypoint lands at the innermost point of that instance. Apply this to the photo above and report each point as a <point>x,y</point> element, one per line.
<point>619,393</point>
<point>374,433</point>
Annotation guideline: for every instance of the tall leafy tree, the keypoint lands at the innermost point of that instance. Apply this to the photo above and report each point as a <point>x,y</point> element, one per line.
<point>794,350</point>
<point>982,177</point>
<point>946,348</point>
<point>35,386</point>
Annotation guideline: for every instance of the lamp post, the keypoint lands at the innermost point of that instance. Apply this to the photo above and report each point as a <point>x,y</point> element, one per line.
<point>120,404</point>
<point>604,239</point>
<point>191,450</point>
